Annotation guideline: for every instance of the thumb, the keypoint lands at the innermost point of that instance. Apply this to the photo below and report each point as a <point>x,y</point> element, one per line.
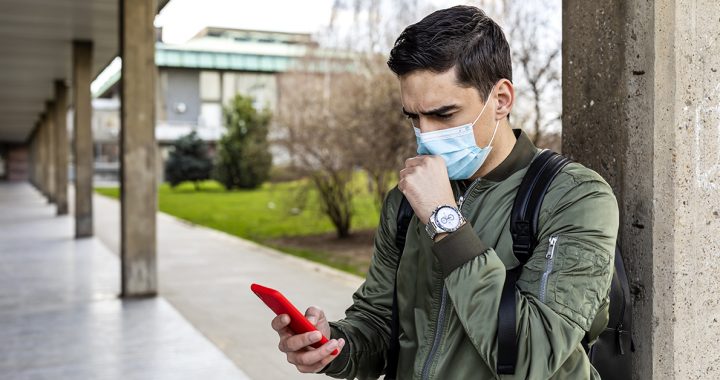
<point>313,314</point>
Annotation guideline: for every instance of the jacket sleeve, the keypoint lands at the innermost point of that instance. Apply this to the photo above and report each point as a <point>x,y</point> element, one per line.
<point>557,299</point>
<point>366,326</point>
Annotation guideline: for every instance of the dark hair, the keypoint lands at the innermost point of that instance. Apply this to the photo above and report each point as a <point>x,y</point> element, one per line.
<point>462,37</point>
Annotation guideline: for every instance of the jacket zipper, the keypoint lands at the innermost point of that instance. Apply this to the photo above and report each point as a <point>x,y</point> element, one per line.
<point>440,323</point>
<point>464,196</point>
<point>438,334</point>
<point>550,259</point>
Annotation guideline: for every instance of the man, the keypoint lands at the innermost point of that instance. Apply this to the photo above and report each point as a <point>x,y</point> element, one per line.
<point>454,69</point>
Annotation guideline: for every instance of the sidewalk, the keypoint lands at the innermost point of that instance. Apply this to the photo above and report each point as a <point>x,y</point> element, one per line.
<point>206,276</point>
<point>60,317</point>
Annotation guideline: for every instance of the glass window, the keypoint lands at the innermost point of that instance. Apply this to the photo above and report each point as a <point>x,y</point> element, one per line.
<point>210,85</point>
<point>211,115</point>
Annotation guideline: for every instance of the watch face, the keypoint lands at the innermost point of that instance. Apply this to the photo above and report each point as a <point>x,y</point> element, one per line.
<point>447,218</point>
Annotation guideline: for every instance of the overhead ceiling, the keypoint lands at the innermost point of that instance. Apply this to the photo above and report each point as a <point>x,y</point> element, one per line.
<point>36,49</point>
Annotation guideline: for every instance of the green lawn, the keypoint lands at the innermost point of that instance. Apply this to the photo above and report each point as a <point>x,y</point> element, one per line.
<point>272,211</point>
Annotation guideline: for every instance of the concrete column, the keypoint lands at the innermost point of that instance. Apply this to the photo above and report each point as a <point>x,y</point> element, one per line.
<point>50,146</point>
<point>82,139</point>
<point>42,146</point>
<point>137,141</point>
<point>33,156</point>
<point>641,105</point>
<point>61,148</point>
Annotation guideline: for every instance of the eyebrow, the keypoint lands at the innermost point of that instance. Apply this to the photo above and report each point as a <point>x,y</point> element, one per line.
<point>434,112</point>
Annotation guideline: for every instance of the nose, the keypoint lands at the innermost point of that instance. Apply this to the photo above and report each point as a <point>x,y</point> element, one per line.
<point>425,125</point>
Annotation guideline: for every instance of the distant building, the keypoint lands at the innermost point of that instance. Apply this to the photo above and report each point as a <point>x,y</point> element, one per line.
<point>195,79</point>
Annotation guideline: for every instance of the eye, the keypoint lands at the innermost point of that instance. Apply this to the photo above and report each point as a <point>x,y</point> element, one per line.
<point>445,116</point>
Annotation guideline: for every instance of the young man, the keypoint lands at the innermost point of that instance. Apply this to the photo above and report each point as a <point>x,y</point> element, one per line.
<point>455,70</point>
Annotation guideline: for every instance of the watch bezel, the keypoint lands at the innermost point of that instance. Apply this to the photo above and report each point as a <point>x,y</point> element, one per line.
<point>433,229</point>
<point>440,226</point>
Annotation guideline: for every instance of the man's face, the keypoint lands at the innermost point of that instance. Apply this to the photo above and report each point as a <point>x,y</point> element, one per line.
<point>435,101</point>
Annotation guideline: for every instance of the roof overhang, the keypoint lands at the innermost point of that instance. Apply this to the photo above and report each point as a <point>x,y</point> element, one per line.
<point>36,38</point>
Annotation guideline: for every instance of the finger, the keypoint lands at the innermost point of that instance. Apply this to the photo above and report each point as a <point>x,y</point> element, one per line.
<point>314,314</point>
<point>300,341</point>
<point>415,161</point>
<point>315,360</point>
<point>285,333</point>
<point>401,185</point>
<point>312,357</point>
<point>407,171</point>
<point>280,322</point>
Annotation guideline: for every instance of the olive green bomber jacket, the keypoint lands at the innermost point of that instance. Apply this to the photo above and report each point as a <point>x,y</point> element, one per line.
<point>449,292</point>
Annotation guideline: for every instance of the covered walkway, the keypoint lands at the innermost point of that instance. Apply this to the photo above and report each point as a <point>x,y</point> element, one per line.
<point>61,316</point>
<point>206,276</point>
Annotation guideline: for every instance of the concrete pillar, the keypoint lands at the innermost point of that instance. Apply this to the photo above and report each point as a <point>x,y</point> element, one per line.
<point>137,142</point>
<point>43,172</point>
<point>33,156</point>
<point>82,139</point>
<point>50,146</point>
<point>61,148</point>
<point>641,105</point>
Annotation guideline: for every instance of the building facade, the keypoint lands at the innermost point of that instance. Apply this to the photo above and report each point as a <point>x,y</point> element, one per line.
<point>196,80</point>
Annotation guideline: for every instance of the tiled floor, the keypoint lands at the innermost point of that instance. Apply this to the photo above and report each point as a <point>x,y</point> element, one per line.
<point>60,317</point>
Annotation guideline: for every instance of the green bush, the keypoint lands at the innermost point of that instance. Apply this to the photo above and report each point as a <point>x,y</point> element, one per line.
<point>244,158</point>
<point>188,161</point>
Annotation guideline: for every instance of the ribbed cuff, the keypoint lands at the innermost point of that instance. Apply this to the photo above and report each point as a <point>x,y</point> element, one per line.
<point>458,248</point>
<point>338,364</point>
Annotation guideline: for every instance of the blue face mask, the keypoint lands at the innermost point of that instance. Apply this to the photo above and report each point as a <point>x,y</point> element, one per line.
<point>457,147</point>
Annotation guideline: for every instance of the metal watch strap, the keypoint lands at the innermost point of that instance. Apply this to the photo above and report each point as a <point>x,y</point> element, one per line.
<point>431,228</point>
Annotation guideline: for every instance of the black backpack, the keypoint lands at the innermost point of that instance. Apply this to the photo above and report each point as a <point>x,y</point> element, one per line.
<point>608,354</point>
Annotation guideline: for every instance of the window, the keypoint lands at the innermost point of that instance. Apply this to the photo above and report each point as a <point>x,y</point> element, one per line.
<point>211,115</point>
<point>210,86</point>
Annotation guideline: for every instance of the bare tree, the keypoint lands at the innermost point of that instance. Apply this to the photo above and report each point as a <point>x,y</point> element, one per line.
<point>311,112</point>
<point>536,55</point>
<point>383,136</point>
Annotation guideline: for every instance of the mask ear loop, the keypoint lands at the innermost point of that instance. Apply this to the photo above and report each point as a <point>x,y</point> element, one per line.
<point>483,110</point>
<point>494,132</point>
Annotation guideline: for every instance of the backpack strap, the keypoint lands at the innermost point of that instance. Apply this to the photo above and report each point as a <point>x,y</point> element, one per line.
<point>404,215</point>
<point>523,228</point>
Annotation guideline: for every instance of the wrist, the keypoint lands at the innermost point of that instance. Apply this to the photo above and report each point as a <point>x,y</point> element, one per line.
<point>441,236</point>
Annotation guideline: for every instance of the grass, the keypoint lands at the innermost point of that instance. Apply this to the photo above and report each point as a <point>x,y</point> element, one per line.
<point>274,210</point>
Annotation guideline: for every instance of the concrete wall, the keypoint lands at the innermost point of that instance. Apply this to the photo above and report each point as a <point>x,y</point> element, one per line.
<point>641,105</point>
<point>16,163</point>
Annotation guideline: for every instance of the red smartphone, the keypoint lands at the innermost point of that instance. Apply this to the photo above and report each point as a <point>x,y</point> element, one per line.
<point>280,305</point>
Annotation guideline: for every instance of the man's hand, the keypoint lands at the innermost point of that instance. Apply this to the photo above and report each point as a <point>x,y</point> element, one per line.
<point>297,346</point>
<point>426,185</point>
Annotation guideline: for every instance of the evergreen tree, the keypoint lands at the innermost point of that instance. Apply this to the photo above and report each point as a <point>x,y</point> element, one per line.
<point>244,157</point>
<point>188,161</point>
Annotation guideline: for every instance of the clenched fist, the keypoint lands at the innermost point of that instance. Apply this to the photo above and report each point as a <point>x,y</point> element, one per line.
<point>426,185</point>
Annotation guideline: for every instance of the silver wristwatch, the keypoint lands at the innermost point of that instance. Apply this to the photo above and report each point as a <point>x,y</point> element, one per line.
<point>444,219</point>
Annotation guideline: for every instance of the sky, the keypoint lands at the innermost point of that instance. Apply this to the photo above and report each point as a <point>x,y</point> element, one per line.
<point>182,19</point>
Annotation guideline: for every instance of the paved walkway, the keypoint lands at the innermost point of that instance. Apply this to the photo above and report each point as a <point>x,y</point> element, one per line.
<point>60,317</point>
<point>206,276</point>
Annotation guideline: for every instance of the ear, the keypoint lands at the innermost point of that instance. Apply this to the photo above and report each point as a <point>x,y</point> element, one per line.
<point>505,99</point>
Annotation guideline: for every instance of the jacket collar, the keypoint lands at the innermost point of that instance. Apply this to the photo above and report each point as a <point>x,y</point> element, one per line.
<point>519,158</point>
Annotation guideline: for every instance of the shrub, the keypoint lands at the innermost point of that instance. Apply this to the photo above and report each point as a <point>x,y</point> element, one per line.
<point>244,158</point>
<point>188,161</point>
